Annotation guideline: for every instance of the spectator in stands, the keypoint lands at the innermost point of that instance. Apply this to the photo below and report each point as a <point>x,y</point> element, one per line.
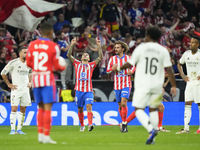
<point>2,65</point>
<point>102,37</point>
<point>187,25</point>
<point>70,10</point>
<point>116,36</point>
<point>8,48</point>
<point>96,98</point>
<point>194,10</point>
<point>93,18</point>
<point>61,21</point>
<point>110,13</point>
<point>159,18</point>
<point>67,94</point>
<point>51,18</point>
<point>182,11</point>
<point>13,55</point>
<point>135,13</point>
<point>64,46</point>
<point>187,38</point>
<point>8,39</point>
<point>177,49</point>
<point>66,30</point>
<point>167,6</point>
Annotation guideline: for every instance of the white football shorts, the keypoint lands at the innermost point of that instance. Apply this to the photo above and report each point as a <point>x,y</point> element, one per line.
<point>142,99</point>
<point>20,98</point>
<point>192,92</point>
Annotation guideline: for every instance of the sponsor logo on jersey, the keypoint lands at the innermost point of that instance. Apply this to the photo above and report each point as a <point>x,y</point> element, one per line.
<point>19,67</point>
<point>124,91</point>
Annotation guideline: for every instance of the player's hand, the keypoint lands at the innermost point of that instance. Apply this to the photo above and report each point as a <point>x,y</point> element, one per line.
<point>173,92</point>
<point>186,78</point>
<point>198,78</point>
<point>12,87</point>
<point>98,42</point>
<point>73,41</point>
<point>29,85</point>
<point>114,68</point>
<point>129,73</point>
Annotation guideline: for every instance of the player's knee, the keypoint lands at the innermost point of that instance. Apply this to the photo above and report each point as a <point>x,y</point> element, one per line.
<point>161,108</point>
<point>89,107</point>
<point>14,109</point>
<point>22,109</point>
<point>80,109</point>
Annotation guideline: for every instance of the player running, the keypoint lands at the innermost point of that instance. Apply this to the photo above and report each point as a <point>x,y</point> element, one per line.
<point>151,58</point>
<point>83,87</point>
<point>42,57</point>
<point>21,82</point>
<point>122,81</point>
<point>192,60</point>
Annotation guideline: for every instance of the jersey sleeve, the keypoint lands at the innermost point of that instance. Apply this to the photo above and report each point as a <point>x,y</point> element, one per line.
<point>28,57</point>
<point>56,55</point>
<point>182,59</point>
<point>76,62</point>
<point>109,67</point>
<point>93,65</point>
<point>166,60</point>
<point>9,67</point>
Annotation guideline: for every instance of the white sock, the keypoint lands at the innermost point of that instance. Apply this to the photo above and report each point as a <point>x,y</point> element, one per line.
<point>199,117</point>
<point>154,119</point>
<point>187,117</point>
<point>12,120</point>
<point>20,121</point>
<point>144,119</point>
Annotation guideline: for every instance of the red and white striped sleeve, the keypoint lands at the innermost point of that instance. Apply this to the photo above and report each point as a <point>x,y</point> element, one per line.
<point>109,67</point>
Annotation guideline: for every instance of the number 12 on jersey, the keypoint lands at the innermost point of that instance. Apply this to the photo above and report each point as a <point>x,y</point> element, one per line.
<point>43,57</point>
<point>151,67</point>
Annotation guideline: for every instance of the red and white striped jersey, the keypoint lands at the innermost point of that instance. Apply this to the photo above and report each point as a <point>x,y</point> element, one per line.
<point>121,79</point>
<point>158,20</point>
<point>182,13</point>
<point>189,25</point>
<point>104,40</point>
<point>163,38</point>
<point>42,57</point>
<point>83,75</point>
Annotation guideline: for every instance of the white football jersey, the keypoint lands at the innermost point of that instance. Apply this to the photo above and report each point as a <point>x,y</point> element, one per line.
<point>192,64</point>
<point>150,59</point>
<point>19,73</point>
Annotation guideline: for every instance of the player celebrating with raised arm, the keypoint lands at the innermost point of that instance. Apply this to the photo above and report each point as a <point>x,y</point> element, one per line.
<point>122,81</point>
<point>21,82</point>
<point>43,58</point>
<point>192,92</point>
<point>150,58</point>
<point>83,87</point>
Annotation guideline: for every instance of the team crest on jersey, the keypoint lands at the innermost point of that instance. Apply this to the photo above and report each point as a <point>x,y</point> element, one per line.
<point>197,58</point>
<point>83,75</point>
<point>188,58</point>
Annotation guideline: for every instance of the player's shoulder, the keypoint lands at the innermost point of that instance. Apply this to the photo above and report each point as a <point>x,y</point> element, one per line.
<point>13,61</point>
<point>189,51</point>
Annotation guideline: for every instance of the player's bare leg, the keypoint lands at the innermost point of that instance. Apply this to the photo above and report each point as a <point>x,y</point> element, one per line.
<point>13,119</point>
<point>124,111</point>
<point>47,124</point>
<point>161,109</point>
<point>21,118</point>
<point>187,117</point>
<point>90,117</point>
<point>148,123</point>
<point>81,118</point>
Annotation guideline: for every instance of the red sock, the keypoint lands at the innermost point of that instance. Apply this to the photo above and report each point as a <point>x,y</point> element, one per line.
<point>47,122</point>
<point>160,116</point>
<point>81,118</point>
<point>120,112</point>
<point>124,113</point>
<point>90,117</point>
<point>40,120</point>
<point>131,117</point>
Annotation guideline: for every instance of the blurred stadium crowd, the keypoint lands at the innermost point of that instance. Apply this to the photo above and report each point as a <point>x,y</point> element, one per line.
<point>108,21</point>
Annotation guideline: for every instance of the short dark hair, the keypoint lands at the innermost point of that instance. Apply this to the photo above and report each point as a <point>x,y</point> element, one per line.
<point>46,28</point>
<point>197,38</point>
<point>58,33</point>
<point>66,26</point>
<point>154,33</point>
<point>21,48</point>
<point>101,29</point>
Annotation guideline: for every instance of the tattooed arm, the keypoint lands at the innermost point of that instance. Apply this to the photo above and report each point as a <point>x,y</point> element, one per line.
<point>98,42</point>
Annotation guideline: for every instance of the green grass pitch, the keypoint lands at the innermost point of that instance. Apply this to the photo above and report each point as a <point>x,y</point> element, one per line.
<point>101,138</point>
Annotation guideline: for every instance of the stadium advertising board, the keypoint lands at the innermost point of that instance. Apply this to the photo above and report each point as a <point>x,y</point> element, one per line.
<point>105,113</point>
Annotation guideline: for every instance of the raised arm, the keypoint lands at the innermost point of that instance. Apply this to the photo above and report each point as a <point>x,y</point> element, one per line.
<point>69,54</point>
<point>98,42</point>
<point>174,26</point>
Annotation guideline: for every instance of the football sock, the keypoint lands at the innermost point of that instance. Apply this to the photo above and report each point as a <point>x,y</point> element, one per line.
<point>199,117</point>
<point>124,113</point>
<point>131,117</point>
<point>12,120</point>
<point>120,113</point>
<point>81,118</point>
<point>187,117</point>
<point>47,122</point>
<point>20,120</point>
<point>144,119</point>
<point>90,117</point>
<point>154,119</point>
<point>160,116</point>
<point>40,118</point>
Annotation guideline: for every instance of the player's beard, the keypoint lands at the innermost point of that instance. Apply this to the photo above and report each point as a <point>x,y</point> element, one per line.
<point>24,58</point>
